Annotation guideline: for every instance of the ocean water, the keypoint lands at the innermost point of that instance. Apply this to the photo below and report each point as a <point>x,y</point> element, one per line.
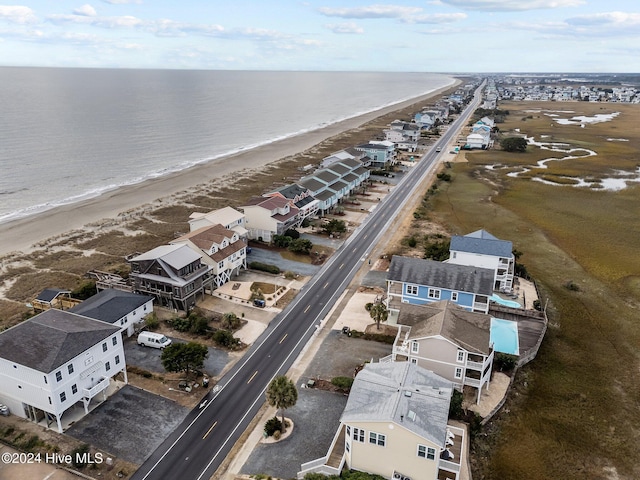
<point>70,134</point>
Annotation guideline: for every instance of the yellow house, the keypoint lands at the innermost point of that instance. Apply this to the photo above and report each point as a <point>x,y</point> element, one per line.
<point>395,425</point>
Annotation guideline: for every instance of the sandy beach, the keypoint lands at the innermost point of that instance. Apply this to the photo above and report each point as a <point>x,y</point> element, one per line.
<point>22,235</point>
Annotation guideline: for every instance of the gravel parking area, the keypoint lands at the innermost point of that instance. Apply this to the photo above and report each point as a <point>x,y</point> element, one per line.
<point>340,354</point>
<point>316,417</point>
<point>148,358</point>
<point>274,258</point>
<point>131,424</point>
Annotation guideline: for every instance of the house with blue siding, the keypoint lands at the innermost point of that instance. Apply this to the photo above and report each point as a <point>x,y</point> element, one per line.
<point>481,249</point>
<point>418,281</point>
<point>381,153</point>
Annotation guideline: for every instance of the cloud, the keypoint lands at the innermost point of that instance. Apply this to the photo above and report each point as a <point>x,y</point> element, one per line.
<point>511,5</point>
<point>372,11</point>
<point>347,27</point>
<point>86,10</point>
<point>125,21</point>
<point>17,14</point>
<point>436,18</point>
<point>607,19</point>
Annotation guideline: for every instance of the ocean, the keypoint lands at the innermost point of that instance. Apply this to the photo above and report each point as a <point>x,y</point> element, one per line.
<point>70,134</point>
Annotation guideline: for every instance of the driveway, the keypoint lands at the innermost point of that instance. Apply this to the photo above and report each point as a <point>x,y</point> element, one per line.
<point>274,258</point>
<point>131,424</point>
<point>148,358</point>
<point>316,417</point>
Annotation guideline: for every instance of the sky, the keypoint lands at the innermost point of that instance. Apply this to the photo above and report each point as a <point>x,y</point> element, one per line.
<point>451,36</point>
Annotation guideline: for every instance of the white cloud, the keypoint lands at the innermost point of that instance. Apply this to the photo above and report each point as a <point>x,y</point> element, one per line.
<point>372,11</point>
<point>347,27</point>
<point>17,14</point>
<point>125,21</point>
<point>436,18</point>
<point>511,5</point>
<point>86,10</point>
<point>610,19</point>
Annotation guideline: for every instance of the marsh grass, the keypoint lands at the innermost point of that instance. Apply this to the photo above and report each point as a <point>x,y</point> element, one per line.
<point>117,244</point>
<point>28,286</point>
<point>575,414</point>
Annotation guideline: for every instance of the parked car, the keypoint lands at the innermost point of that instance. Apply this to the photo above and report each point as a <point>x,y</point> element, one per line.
<point>259,303</point>
<point>4,410</point>
<point>155,340</point>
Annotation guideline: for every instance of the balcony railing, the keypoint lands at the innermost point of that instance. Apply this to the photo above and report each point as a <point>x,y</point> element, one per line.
<point>475,365</point>
<point>449,466</point>
<point>96,389</point>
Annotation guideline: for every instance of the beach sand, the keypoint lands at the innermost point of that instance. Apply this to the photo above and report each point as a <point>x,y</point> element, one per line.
<point>22,235</point>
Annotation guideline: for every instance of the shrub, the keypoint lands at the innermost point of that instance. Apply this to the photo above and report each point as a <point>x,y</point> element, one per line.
<point>505,362</point>
<point>445,177</point>
<point>230,321</point>
<point>85,290</point>
<point>225,338</point>
<point>199,324</point>
<point>537,305</point>
<point>151,321</point>
<point>273,425</point>
<point>264,267</point>
<point>181,324</point>
<point>277,434</point>
<point>292,233</point>
<point>343,383</point>
<point>570,285</point>
<point>455,407</point>
<point>289,275</point>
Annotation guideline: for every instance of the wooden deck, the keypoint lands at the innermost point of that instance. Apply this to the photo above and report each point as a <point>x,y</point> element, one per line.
<point>532,325</point>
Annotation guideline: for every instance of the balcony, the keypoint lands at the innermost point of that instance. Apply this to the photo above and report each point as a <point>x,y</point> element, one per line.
<point>96,389</point>
<point>475,365</point>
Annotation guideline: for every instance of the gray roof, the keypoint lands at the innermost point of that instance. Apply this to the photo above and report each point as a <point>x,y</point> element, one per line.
<point>351,162</point>
<point>312,184</point>
<point>468,330</point>
<point>379,394</point>
<point>325,195</point>
<point>290,191</point>
<point>110,305</point>
<point>177,256</point>
<point>51,339</point>
<point>442,275</point>
<point>326,176</point>
<point>339,169</point>
<point>49,294</point>
<point>482,242</point>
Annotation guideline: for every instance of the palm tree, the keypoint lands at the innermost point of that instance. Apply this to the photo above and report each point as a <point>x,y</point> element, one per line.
<point>379,313</point>
<point>282,394</point>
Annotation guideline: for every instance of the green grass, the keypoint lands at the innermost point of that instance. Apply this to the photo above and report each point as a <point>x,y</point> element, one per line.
<point>576,410</point>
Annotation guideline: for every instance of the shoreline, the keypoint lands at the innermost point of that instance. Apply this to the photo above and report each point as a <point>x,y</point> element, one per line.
<point>21,235</point>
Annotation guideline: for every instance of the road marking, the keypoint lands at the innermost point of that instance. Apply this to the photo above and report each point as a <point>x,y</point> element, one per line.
<point>209,431</point>
<point>326,285</point>
<point>285,336</point>
<point>307,309</point>
<point>356,248</point>
<point>341,265</point>
<point>252,376</point>
<point>365,237</point>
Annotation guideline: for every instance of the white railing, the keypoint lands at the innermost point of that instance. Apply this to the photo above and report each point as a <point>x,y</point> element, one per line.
<point>387,359</point>
<point>96,389</point>
<point>472,382</point>
<point>475,365</point>
<point>480,306</point>
<point>449,466</point>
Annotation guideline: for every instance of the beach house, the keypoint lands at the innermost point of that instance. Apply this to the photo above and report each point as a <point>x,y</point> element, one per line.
<point>125,310</point>
<point>404,135</point>
<point>57,359</point>
<point>447,339</point>
<point>222,249</point>
<point>299,197</point>
<point>395,424</point>
<point>172,274</point>
<point>481,249</point>
<point>228,217</point>
<point>382,153</point>
<point>266,217</point>
<point>418,281</point>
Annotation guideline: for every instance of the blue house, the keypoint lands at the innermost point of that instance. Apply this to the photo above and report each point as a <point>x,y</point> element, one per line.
<point>417,281</point>
<point>382,153</point>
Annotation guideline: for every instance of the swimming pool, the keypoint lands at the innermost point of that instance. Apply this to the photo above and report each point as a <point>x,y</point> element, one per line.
<point>506,303</point>
<point>504,336</point>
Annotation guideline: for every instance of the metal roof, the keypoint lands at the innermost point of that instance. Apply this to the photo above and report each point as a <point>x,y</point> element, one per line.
<point>482,242</point>
<point>110,305</point>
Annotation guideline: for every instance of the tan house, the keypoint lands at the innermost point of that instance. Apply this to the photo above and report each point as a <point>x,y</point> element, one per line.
<point>219,247</point>
<point>447,339</point>
<point>395,425</point>
<point>228,217</point>
<point>266,217</point>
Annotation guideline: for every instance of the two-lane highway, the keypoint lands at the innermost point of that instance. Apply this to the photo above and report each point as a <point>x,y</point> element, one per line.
<point>199,445</point>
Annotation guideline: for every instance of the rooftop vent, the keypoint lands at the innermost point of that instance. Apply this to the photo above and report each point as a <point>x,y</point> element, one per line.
<point>411,415</point>
<point>407,393</point>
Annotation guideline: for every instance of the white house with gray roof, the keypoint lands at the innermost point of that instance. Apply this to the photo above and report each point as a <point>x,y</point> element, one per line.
<point>395,425</point>
<point>418,281</point>
<point>481,249</point>
<point>54,360</point>
<point>122,309</point>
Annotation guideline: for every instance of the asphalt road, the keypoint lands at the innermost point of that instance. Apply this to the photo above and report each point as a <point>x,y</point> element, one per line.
<point>199,445</point>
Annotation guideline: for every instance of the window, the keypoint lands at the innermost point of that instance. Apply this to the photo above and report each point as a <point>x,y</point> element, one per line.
<point>107,366</point>
<point>122,321</point>
<point>49,400</point>
<point>63,396</point>
<point>454,254</point>
<point>58,375</point>
<point>70,368</point>
<point>358,434</point>
<point>104,347</point>
<point>414,360</point>
<point>117,359</point>
<point>434,293</point>
<point>414,347</point>
<point>145,308</point>
<point>454,296</point>
<point>221,264</point>
<point>377,439</point>
<point>114,340</point>
<point>426,452</point>
<point>74,388</point>
<point>45,379</point>
<point>460,356</point>
<point>412,290</point>
<point>348,431</point>
<point>458,372</point>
